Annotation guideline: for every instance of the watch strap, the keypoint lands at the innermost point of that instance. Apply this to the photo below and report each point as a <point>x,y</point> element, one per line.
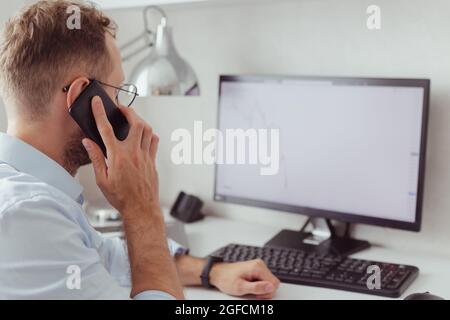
<point>212,260</point>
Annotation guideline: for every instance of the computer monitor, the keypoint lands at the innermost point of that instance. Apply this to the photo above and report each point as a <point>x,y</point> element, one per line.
<point>350,149</point>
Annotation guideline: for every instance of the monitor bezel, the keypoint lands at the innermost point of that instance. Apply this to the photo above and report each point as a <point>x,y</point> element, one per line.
<point>335,215</point>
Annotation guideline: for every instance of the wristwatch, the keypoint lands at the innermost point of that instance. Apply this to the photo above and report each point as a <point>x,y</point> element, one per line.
<point>212,260</point>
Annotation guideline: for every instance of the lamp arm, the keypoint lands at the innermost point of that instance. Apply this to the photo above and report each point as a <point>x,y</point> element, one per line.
<point>156,8</point>
<point>136,39</point>
<point>149,43</point>
<point>136,52</point>
<point>144,35</point>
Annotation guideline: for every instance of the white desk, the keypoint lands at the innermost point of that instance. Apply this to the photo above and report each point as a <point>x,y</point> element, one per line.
<point>210,234</point>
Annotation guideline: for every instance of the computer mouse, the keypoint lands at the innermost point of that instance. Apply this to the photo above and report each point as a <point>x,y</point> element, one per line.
<point>423,296</point>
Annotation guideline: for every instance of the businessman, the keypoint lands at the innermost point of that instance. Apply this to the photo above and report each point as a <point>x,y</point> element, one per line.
<point>48,250</point>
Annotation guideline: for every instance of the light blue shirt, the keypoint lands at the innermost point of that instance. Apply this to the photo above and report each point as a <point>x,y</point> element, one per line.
<point>48,249</point>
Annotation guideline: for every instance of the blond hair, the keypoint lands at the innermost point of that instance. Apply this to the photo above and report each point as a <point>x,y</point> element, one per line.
<point>39,51</point>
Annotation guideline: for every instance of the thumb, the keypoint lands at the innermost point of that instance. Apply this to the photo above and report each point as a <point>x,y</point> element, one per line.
<point>256,287</point>
<point>97,158</point>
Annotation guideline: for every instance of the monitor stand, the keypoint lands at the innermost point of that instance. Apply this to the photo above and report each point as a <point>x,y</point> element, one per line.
<point>321,239</point>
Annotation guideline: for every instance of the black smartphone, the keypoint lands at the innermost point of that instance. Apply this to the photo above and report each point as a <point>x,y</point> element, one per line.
<point>81,112</point>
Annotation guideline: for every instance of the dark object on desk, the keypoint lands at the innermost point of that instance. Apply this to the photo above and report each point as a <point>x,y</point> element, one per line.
<point>325,270</point>
<point>114,217</point>
<point>187,208</point>
<point>423,296</point>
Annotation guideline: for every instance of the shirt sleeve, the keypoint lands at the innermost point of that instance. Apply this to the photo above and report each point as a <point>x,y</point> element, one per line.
<point>54,256</point>
<point>176,249</point>
<point>154,295</point>
<point>113,252</point>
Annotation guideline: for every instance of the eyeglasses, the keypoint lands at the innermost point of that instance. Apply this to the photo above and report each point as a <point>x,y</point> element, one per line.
<point>125,95</point>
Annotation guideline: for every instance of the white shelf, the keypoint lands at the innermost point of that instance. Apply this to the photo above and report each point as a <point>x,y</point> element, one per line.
<point>120,4</point>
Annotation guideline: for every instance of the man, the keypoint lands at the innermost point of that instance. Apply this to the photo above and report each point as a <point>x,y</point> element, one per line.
<point>45,239</point>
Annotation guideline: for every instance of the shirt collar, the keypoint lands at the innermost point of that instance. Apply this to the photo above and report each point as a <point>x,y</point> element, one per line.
<point>25,158</point>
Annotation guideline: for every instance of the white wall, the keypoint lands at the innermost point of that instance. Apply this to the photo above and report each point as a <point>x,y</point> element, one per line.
<point>318,37</point>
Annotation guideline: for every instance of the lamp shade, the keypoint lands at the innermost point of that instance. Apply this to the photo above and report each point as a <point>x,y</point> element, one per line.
<point>164,72</point>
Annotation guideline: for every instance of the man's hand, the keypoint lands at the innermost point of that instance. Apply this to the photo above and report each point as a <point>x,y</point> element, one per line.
<point>244,278</point>
<point>236,279</point>
<point>129,181</point>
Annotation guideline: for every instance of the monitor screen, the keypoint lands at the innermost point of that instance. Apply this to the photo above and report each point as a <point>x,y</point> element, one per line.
<point>350,149</point>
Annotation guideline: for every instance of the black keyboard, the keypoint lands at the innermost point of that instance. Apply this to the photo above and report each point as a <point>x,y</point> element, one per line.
<point>324,270</point>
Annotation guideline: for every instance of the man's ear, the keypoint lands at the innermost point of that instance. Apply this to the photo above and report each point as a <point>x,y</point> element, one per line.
<point>75,89</point>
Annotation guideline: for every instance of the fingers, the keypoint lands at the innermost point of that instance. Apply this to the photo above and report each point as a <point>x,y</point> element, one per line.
<point>140,133</point>
<point>265,283</point>
<point>137,125</point>
<point>154,147</point>
<point>257,288</point>
<point>104,127</point>
<point>257,280</point>
<point>259,271</point>
<point>98,160</point>
<point>147,139</point>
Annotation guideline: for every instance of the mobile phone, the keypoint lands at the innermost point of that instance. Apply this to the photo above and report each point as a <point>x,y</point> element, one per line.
<point>81,112</point>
